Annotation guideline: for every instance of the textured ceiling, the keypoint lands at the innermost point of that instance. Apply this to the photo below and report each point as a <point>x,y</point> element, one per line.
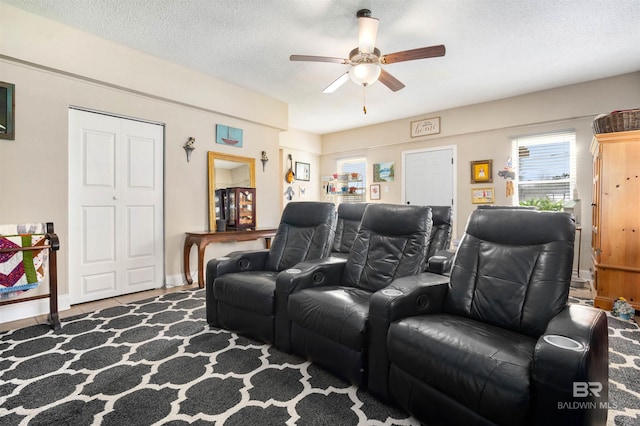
<point>495,48</point>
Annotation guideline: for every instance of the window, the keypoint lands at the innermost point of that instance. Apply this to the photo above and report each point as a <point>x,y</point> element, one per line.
<point>354,165</point>
<point>545,169</point>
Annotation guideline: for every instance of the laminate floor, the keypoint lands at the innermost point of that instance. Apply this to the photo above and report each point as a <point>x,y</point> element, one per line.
<point>84,308</point>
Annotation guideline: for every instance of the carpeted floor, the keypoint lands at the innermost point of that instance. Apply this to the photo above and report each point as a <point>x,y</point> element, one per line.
<point>158,362</point>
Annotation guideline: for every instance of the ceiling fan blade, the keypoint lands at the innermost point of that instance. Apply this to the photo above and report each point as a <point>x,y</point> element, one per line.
<point>410,55</point>
<point>310,58</point>
<point>337,83</point>
<point>390,81</point>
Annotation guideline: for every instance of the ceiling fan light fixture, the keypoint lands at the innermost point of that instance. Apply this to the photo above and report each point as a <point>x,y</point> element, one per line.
<point>367,31</point>
<point>365,74</point>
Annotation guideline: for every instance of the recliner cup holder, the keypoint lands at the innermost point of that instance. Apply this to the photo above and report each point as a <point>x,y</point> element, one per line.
<point>392,292</point>
<point>563,342</point>
<point>293,271</point>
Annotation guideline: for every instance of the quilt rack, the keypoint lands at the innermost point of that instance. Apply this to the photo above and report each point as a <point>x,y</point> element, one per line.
<point>52,245</point>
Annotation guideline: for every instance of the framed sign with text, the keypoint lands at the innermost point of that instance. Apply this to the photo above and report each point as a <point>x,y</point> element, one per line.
<point>428,126</point>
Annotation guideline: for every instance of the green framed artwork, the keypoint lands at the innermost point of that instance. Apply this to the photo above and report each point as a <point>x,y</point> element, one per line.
<point>384,172</point>
<point>7,105</point>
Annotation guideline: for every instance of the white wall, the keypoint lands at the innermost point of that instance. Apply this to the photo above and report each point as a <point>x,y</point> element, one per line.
<point>54,67</point>
<point>484,131</point>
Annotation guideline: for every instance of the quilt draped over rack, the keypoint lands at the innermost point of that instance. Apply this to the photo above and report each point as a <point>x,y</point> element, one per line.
<point>21,270</point>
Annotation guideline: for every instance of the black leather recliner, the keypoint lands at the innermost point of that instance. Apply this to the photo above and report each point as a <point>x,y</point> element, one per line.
<point>498,344</point>
<point>240,287</point>
<point>438,258</point>
<point>441,231</point>
<point>328,301</point>
<point>348,222</point>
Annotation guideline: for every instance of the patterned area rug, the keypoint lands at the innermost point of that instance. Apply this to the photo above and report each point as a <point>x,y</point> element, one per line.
<point>158,362</point>
<point>624,370</point>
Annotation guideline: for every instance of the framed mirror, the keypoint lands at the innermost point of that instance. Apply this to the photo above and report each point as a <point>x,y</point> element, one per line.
<point>228,171</point>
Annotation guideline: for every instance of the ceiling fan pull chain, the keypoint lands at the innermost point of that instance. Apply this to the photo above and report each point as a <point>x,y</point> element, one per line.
<point>364,98</point>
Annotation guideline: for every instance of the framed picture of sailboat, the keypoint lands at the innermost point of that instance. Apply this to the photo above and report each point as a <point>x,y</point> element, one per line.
<point>226,135</point>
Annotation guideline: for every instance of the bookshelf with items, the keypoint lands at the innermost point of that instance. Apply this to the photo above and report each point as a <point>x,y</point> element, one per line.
<point>344,188</point>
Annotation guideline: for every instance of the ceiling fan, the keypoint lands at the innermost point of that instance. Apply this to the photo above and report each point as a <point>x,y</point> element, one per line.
<point>365,60</point>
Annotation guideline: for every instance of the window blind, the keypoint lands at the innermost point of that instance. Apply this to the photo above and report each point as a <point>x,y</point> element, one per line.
<point>353,165</point>
<point>545,167</point>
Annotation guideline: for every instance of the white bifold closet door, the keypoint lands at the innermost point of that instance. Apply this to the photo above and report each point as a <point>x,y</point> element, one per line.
<point>115,206</point>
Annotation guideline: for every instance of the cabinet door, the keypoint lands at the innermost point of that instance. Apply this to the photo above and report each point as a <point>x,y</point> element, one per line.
<point>595,206</point>
<point>246,208</point>
<point>619,230</point>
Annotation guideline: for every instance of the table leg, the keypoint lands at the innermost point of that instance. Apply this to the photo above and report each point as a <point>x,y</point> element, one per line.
<point>54,317</point>
<point>201,248</point>
<point>187,249</point>
<point>267,242</point>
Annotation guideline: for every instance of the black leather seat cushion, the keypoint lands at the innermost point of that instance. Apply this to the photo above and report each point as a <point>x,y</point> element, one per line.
<point>483,367</point>
<point>232,289</point>
<point>335,312</point>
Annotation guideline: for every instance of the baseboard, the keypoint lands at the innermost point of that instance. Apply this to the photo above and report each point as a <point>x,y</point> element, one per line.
<point>178,280</point>
<point>31,308</point>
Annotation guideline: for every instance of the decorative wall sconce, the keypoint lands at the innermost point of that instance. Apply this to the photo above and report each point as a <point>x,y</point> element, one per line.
<point>264,159</point>
<point>188,147</point>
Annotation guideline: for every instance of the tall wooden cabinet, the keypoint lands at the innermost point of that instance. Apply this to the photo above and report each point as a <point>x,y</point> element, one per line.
<point>616,218</point>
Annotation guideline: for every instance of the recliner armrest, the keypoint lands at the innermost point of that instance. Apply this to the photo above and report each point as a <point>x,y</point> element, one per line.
<point>413,295</point>
<point>310,273</point>
<point>408,296</point>
<point>570,376</point>
<point>238,261</point>
<point>307,274</point>
<point>441,262</point>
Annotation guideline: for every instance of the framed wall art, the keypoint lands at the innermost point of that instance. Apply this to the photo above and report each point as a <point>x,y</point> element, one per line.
<point>384,172</point>
<point>303,171</point>
<point>226,135</point>
<point>483,195</point>
<point>428,126</point>
<point>481,171</point>
<point>7,106</point>
<point>374,191</point>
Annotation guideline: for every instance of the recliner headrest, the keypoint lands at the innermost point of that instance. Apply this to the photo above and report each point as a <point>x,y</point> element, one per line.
<point>506,226</point>
<point>376,219</point>
<point>351,211</point>
<point>306,213</point>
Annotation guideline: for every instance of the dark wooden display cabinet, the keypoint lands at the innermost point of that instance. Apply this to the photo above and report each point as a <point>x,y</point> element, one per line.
<point>239,207</point>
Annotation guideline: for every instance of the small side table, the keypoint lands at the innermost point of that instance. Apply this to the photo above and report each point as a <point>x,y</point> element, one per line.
<point>203,239</point>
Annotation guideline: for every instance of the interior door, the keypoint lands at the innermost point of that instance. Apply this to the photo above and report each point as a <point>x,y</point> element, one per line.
<point>115,206</point>
<point>428,177</point>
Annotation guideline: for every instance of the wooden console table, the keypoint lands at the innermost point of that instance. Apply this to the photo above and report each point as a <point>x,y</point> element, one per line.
<point>203,239</point>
